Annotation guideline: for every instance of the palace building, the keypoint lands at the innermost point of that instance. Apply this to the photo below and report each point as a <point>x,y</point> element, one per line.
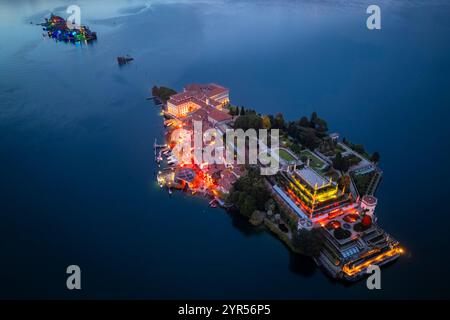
<point>315,195</point>
<point>196,96</point>
<point>352,241</point>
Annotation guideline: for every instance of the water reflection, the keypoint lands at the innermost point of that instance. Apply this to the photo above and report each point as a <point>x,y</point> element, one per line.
<point>76,138</point>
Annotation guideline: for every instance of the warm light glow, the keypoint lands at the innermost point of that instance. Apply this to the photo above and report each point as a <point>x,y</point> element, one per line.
<point>357,269</point>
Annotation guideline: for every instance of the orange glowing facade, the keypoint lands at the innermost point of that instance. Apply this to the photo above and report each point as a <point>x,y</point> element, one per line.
<point>352,269</point>
<point>196,96</point>
<point>182,108</point>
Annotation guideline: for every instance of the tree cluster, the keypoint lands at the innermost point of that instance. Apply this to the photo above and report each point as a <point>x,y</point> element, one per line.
<point>341,163</point>
<point>308,132</point>
<point>163,93</point>
<point>375,157</point>
<point>249,193</point>
<point>308,242</point>
<point>249,121</point>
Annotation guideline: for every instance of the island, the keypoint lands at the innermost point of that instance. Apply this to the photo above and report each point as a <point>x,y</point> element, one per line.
<point>320,203</point>
<point>57,28</point>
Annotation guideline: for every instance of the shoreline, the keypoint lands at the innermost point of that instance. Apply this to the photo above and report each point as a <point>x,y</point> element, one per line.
<point>324,235</point>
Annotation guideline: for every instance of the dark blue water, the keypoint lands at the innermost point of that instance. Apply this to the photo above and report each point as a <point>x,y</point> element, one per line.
<point>77,182</point>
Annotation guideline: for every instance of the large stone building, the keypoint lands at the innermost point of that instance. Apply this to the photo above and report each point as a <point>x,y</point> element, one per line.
<point>196,96</point>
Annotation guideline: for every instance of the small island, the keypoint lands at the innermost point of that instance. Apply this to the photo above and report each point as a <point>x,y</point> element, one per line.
<point>57,28</point>
<point>321,203</point>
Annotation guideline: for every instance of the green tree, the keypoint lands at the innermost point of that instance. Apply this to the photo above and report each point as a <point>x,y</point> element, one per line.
<point>310,139</point>
<point>279,121</point>
<point>296,148</point>
<point>270,205</point>
<point>322,125</point>
<point>248,206</point>
<point>314,118</point>
<point>155,91</point>
<point>304,122</point>
<point>337,161</point>
<point>249,193</point>
<point>345,164</point>
<point>250,121</point>
<point>359,148</point>
<point>341,163</point>
<point>163,93</point>
<point>266,122</point>
<point>375,157</point>
<point>308,242</point>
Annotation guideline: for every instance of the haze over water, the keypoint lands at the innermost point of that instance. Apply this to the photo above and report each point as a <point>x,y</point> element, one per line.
<point>77,176</point>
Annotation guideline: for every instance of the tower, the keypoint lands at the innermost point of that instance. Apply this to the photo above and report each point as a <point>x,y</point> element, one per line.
<point>368,204</point>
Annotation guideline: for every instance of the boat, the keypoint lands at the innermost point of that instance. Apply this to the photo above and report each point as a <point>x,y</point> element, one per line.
<point>124,59</point>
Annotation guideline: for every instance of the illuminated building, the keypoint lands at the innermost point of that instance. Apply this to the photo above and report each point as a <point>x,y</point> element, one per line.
<point>315,195</point>
<point>175,178</point>
<point>353,243</point>
<point>213,94</point>
<point>196,96</point>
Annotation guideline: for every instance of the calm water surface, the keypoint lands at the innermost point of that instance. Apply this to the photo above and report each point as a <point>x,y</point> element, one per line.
<point>77,178</point>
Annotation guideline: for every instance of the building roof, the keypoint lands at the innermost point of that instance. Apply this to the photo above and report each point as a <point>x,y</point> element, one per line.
<point>199,92</point>
<point>312,178</point>
<point>209,90</point>
<point>180,97</point>
<point>218,115</point>
<point>186,174</point>
<point>207,112</point>
<point>200,95</point>
<point>214,103</point>
<point>369,200</point>
<point>198,115</point>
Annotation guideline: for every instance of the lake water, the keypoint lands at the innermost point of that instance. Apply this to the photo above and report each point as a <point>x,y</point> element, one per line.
<point>77,177</point>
